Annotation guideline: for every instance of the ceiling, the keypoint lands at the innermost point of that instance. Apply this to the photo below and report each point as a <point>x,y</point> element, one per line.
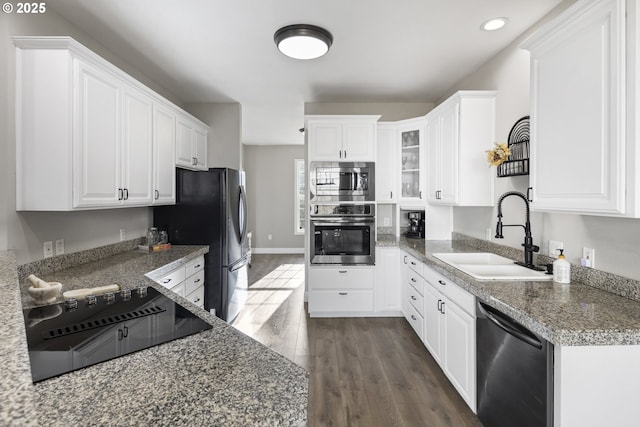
<point>223,51</point>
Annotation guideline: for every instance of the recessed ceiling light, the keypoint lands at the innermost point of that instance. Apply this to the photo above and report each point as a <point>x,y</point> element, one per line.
<point>303,41</point>
<point>494,24</point>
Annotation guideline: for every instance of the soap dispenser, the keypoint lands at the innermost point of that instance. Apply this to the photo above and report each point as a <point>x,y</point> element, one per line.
<point>561,269</point>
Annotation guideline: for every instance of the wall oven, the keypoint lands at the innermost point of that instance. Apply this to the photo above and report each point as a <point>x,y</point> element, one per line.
<point>343,234</point>
<point>342,181</point>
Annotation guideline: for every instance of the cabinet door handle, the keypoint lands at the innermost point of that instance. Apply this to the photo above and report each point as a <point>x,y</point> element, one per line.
<point>126,194</point>
<point>342,271</point>
<point>342,293</point>
<point>165,281</point>
<point>442,307</point>
<point>391,194</point>
<point>120,194</point>
<point>339,154</point>
<point>345,154</point>
<point>442,282</point>
<point>157,194</point>
<point>126,331</point>
<point>405,259</point>
<point>529,190</point>
<point>439,301</point>
<point>420,195</point>
<point>413,297</point>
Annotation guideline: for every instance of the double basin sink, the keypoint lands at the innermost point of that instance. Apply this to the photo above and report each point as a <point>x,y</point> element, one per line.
<point>488,266</point>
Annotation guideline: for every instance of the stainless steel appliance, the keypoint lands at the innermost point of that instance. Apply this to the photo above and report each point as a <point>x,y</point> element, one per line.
<point>82,332</point>
<point>342,181</point>
<point>416,225</point>
<point>514,371</point>
<point>343,234</point>
<point>211,209</point>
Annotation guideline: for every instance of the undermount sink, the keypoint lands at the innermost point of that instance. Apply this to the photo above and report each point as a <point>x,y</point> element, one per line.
<point>488,266</point>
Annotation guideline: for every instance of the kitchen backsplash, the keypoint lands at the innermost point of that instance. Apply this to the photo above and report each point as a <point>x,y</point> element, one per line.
<point>62,262</point>
<point>623,286</point>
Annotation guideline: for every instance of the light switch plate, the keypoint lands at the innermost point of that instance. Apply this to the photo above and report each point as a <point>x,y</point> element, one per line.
<point>48,249</point>
<point>553,248</point>
<point>59,246</point>
<point>590,255</point>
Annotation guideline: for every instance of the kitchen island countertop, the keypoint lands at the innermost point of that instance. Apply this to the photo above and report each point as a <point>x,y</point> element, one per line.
<point>216,377</point>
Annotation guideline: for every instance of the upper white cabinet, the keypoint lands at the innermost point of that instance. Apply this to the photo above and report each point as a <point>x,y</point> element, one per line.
<point>191,145</point>
<point>411,137</point>
<point>387,155</point>
<point>88,136</point>
<point>459,131</point>
<point>583,145</point>
<point>164,155</point>
<point>341,138</point>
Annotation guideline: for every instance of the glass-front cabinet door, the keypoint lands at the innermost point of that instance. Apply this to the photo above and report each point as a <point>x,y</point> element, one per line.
<point>411,136</point>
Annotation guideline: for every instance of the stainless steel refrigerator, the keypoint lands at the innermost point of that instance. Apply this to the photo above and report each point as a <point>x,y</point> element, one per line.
<point>211,209</point>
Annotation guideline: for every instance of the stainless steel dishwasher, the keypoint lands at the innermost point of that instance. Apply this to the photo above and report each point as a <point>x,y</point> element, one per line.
<point>515,372</point>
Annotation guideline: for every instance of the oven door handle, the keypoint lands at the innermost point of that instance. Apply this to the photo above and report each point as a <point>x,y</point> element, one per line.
<point>338,223</point>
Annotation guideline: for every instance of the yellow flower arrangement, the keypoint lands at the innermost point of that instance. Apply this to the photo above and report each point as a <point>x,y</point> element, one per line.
<point>499,154</point>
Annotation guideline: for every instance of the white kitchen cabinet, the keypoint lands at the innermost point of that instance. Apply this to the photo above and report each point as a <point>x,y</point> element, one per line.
<point>459,131</point>
<point>412,294</point>
<point>191,145</point>
<point>341,291</point>
<point>433,333</point>
<point>164,149</point>
<point>341,138</point>
<point>187,281</point>
<point>386,162</point>
<point>581,156</point>
<point>411,137</point>
<point>86,134</point>
<point>388,281</point>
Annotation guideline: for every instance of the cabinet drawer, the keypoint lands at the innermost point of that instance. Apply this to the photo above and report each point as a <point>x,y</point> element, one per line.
<point>451,290</point>
<point>416,281</point>
<point>179,289</point>
<point>416,299</point>
<point>194,266</point>
<point>415,320</point>
<point>172,279</point>
<point>194,282</point>
<point>197,297</point>
<point>340,301</point>
<point>341,278</point>
<point>414,264</point>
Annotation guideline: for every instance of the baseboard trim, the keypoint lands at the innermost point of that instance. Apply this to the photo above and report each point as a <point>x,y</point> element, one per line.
<point>277,250</point>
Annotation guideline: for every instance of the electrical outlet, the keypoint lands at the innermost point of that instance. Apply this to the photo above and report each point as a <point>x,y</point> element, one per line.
<point>269,237</point>
<point>588,257</point>
<point>386,222</point>
<point>59,246</point>
<point>553,248</point>
<point>123,234</point>
<point>48,249</point>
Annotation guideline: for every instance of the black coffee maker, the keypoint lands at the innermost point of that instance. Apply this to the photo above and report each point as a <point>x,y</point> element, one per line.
<point>416,225</point>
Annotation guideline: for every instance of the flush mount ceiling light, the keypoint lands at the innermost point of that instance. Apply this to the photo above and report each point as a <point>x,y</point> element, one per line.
<point>303,41</point>
<point>494,24</point>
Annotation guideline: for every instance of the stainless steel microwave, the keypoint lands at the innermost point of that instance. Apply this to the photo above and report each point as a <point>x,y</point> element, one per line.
<point>342,181</point>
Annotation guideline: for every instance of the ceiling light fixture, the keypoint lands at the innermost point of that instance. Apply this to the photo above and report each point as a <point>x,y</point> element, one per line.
<point>494,24</point>
<point>303,41</point>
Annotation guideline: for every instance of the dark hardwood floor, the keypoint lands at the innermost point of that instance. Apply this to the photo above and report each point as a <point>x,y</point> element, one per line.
<point>363,371</point>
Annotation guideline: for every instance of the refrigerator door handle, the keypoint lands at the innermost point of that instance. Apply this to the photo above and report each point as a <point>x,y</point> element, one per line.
<point>242,215</point>
<point>238,264</point>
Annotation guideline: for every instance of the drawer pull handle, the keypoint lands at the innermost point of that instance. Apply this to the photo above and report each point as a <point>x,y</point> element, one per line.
<point>197,300</point>
<point>413,297</point>
<point>413,317</point>
<point>166,280</point>
<point>342,293</point>
<point>342,271</point>
<point>413,279</point>
<point>196,266</point>
<point>196,281</point>
<point>442,282</point>
<point>413,263</point>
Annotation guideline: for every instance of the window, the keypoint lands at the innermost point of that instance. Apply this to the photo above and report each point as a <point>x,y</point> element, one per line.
<point>299,205</point>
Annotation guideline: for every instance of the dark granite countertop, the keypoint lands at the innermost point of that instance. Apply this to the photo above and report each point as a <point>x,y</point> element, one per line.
<point>567,315</point>
<point>216,377</point>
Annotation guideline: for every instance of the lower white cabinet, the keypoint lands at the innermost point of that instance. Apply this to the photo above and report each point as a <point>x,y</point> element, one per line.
<point>388,282</point>
<point>443,316</point>
<point>341,291</point>
<point>187,281</point>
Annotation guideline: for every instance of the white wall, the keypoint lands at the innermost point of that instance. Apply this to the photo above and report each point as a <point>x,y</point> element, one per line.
<point>615,240</point>
<point>225,132</point>
<point>25,232</point>
<point>270,194</point>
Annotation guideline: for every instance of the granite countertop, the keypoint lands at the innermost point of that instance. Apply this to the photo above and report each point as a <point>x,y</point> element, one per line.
<point>566,315</point>
<point>216,377</point>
